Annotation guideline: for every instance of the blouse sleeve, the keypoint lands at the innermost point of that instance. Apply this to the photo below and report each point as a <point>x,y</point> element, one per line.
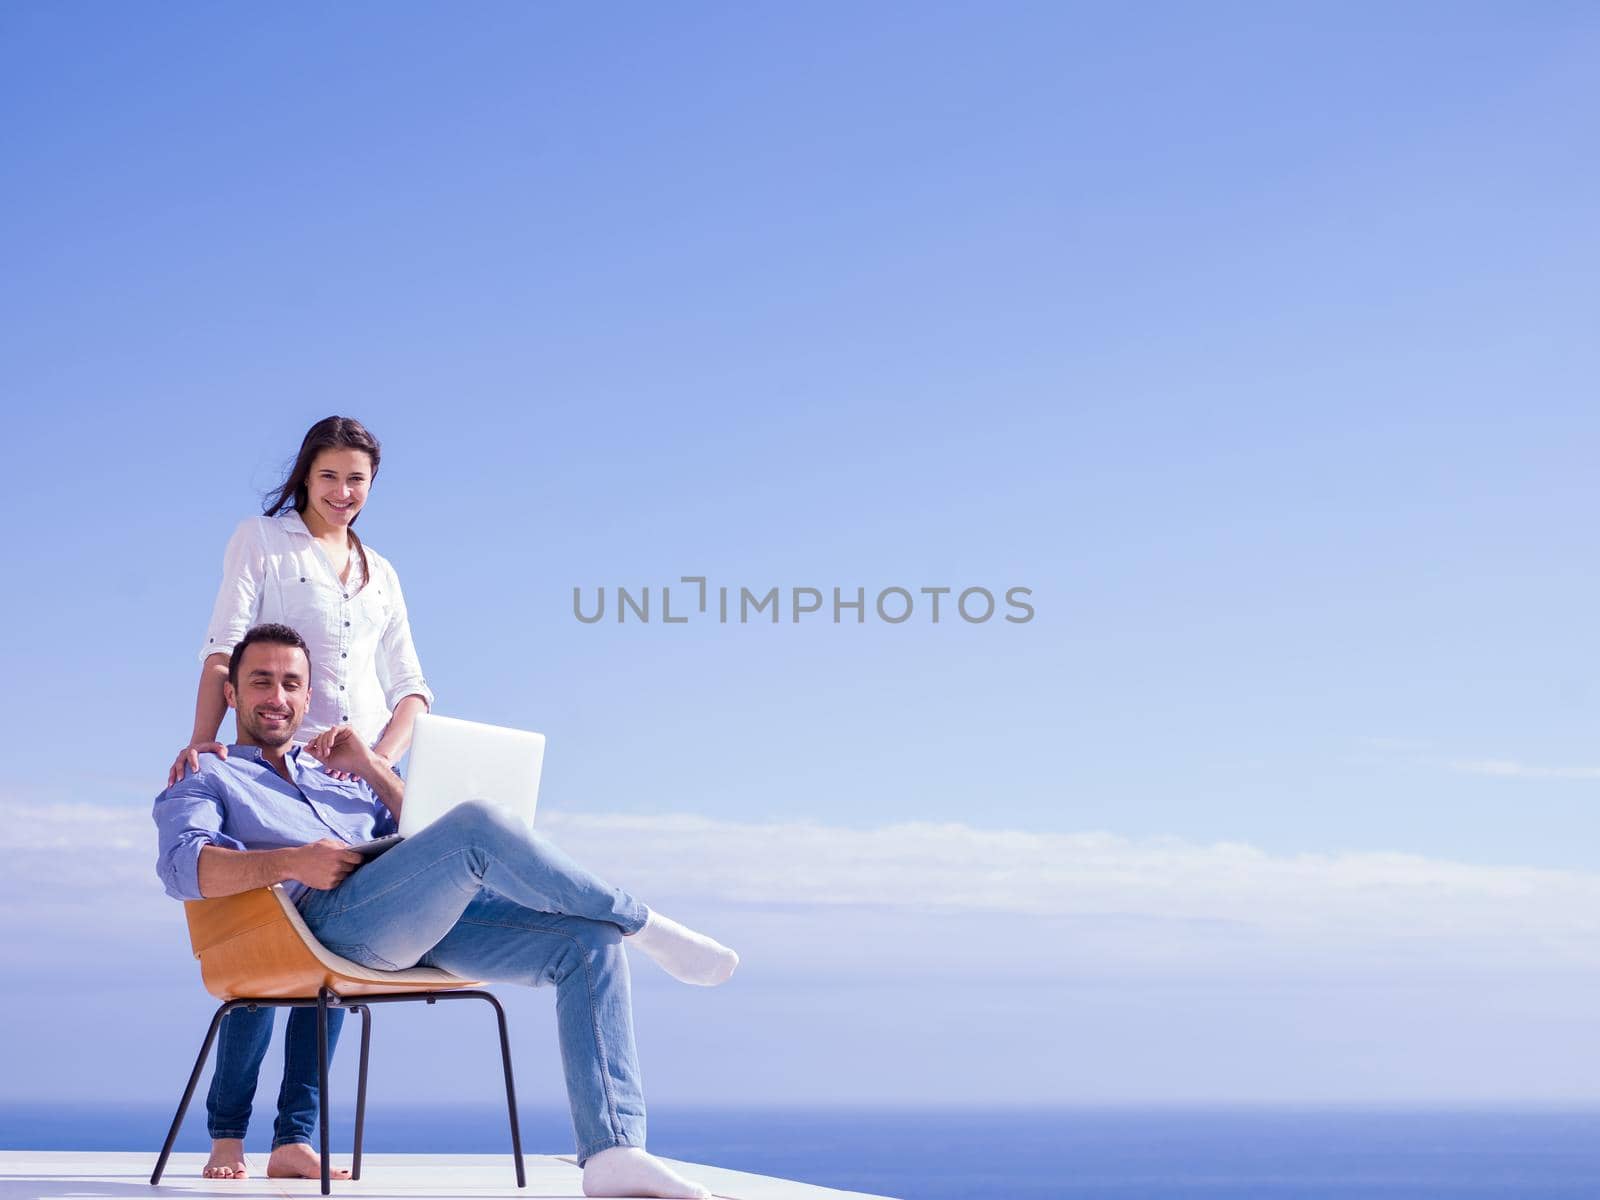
<point>398,669</point>
<point>239,597</point>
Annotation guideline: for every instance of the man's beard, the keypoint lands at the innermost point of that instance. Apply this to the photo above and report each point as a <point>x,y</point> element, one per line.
<point>272,737</point>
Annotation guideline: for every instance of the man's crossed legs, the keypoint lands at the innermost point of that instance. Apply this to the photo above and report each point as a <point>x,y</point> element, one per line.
<point>480,895</point>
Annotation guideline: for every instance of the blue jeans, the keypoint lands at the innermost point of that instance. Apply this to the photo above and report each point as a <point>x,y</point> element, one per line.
<point>480,895</point>
<point>241,1045</point>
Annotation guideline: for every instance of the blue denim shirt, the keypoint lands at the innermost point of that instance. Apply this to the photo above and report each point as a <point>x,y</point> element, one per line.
<point>241,803</point>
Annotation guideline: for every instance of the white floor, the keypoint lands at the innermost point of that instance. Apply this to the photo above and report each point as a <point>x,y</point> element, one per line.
<point>69,1175</point>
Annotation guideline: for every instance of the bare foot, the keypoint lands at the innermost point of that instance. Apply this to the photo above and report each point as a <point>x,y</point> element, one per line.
<point>297,1160</point>
<point>227,1159</point>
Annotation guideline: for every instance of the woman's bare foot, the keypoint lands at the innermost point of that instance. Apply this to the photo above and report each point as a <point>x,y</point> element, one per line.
<point>227,1159</point>
<point>297,1160</point>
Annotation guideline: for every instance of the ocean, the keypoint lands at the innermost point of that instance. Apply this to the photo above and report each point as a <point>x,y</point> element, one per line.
<point>1025,1154</point>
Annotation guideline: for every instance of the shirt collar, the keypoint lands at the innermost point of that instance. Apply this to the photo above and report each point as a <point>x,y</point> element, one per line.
<point>253,753</point>
<point>293,521</point>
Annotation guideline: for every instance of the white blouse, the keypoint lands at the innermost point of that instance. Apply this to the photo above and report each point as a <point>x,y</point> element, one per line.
<point>363,662</point>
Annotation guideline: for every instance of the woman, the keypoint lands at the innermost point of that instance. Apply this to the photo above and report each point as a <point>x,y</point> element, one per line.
<point>302,564</point>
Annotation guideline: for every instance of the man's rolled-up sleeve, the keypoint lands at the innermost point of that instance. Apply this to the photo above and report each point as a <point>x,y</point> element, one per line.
<point>188,818</point>
<point>383,822</point>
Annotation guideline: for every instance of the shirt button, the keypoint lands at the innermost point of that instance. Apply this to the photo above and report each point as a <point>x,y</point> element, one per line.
<point>302,579</point>
<point>346,595</point>
<point>347,624</point>
<point>343,655</point>
<point>341,687</point>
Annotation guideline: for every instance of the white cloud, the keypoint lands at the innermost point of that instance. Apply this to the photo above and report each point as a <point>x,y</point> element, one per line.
<point>1509,769</point>
<point>1147,900</point>
<point>1338,899</point>
<point>1145,970</point>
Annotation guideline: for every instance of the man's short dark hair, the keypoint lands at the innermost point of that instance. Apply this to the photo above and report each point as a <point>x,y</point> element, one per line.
<point>273,634</point>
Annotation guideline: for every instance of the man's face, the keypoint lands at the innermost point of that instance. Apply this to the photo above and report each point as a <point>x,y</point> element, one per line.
<point>272,694</point>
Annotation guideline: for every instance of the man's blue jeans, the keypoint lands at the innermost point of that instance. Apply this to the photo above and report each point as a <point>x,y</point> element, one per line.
<point>241,1045</point>
<point>480,895</point>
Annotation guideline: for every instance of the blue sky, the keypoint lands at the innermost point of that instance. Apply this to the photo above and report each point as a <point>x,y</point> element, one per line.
<point>1256,342</point>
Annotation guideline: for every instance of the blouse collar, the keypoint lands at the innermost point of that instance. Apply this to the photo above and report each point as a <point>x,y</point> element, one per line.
<point>292,520</point>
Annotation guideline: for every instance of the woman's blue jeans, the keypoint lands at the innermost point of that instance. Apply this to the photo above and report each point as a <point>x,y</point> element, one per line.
<point>480,895</point>
<point>241,1045</point>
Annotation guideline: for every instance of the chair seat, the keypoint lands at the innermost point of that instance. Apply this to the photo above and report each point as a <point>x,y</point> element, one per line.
<point>257,945</point>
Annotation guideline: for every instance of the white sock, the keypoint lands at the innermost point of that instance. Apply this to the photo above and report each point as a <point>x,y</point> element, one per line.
<point>629,1171</point>
<point>683,953</point>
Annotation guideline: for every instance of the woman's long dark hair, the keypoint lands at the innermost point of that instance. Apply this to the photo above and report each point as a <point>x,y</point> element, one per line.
<point>330,433</point>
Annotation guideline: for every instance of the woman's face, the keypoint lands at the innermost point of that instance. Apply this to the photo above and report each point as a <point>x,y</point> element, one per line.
<point>337,486</point>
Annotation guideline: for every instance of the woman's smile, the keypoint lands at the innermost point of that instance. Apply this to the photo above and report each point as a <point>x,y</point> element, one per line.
<point>340,510</point>
<point>336,485</point>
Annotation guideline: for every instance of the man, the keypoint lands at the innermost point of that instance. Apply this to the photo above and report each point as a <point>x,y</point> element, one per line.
<point>476,893</point>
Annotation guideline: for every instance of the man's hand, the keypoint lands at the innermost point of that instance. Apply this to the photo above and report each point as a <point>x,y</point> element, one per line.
<point>342,752</point>
<point>189,757</point>
<point>322,865</point>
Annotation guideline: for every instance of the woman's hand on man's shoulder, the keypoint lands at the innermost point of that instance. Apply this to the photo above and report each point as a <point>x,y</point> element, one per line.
<point>188,759</point>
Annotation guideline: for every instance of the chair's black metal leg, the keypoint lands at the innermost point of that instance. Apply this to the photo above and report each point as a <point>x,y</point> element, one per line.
<point>361,1086</point>
<point>322,1082</point>
<point>511,1088</point>
<point>188,1092</point>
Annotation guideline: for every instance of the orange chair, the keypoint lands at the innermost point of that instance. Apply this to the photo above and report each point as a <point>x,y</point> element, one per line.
<point>256,952</point>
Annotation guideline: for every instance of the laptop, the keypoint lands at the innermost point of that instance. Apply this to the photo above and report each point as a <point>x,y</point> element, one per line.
<point>454,761</point>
